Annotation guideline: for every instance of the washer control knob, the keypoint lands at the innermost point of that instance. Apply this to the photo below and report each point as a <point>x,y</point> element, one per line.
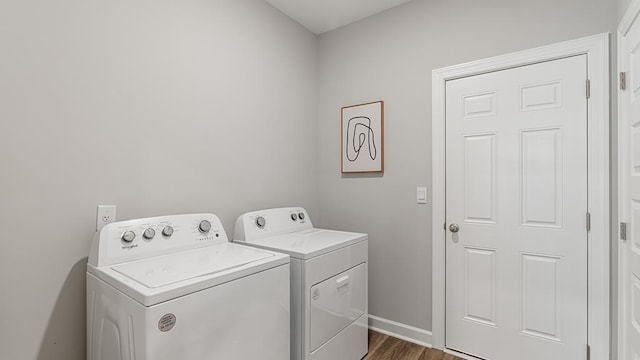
<point>261,222</point>
<point>149,234</point>
<point>128,236</point>
<point>294,217</point>
<point>204,226</point>
<point>167,231</point>
<point>301,215</point>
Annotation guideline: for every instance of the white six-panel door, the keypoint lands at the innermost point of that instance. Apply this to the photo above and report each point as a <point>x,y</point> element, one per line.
<point>629,58</point>
<point>516,189</point>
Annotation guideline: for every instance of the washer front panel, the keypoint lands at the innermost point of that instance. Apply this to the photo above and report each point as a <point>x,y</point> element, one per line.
<point>248,318</point>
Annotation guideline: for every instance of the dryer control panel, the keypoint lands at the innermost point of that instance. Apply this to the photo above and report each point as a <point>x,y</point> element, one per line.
<point>264,223</point>
<point>142,238</point>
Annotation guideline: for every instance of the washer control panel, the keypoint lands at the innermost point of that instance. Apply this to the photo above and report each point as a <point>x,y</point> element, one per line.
<point>264,223</point>
<point>141,238</point>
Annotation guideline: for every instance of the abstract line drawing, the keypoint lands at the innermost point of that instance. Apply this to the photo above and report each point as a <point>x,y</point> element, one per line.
<point>358,132</point>
<point>362,144</point>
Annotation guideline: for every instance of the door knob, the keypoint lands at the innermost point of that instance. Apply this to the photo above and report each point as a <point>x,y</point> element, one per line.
<point>454,228</point>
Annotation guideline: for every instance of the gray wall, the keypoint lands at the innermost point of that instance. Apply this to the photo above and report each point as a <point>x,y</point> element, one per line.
<point>390,57</point>
<point>622,7</point>
<point>157,106</point>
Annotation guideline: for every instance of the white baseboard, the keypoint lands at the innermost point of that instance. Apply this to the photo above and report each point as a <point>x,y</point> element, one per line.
<point>400,331</point>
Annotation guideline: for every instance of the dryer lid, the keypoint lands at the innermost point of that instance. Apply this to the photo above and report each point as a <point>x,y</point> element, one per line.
<point>309,243</point>
<point>169,269</point>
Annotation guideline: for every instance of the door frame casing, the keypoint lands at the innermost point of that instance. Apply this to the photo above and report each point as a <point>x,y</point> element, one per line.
<point>624,162</point>
<point>597,50</point>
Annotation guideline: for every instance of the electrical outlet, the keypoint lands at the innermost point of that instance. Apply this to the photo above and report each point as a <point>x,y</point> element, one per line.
<point>106,215</point>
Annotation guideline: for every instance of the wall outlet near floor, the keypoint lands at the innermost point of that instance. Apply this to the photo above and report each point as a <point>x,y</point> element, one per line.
<point>106,215</point>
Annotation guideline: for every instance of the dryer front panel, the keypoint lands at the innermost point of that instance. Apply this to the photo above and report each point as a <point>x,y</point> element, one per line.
<point>336,303</point>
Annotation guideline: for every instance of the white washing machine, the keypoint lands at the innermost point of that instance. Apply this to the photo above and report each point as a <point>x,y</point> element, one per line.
<point>328,281</point>
<point>173,287</point>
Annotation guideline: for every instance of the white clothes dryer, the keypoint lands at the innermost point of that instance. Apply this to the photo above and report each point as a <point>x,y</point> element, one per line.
<point>173,287</point>
<point>328,281</point>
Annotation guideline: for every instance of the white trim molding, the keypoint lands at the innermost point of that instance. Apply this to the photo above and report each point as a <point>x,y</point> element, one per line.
<point>624,168</point>
<point>401,331</point>
<point>597,50</point>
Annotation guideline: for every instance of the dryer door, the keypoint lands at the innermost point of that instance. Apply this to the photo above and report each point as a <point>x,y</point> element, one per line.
<point>336,303</point>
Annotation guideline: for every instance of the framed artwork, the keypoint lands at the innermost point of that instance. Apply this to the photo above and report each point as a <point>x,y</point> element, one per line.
<point>362,143</point>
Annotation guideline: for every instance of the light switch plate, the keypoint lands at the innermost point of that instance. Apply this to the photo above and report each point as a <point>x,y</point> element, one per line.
<point>421,195</point>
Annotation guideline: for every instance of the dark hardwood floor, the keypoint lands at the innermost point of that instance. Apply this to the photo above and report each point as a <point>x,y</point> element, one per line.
<point>384,347</point>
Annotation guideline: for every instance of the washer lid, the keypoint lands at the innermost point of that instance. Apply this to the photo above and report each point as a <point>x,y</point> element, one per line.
<point>168,269</point>
<point>154,280</point>
<point>306,244</point>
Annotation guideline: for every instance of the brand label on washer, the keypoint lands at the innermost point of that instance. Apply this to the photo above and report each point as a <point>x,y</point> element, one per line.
<point>316,294</point>
<point>167,322</point>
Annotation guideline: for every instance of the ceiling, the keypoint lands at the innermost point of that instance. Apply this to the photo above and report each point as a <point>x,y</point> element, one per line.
<point>321,16</point>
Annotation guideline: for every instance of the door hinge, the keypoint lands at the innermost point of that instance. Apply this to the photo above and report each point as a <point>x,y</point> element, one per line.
<point>588,89</point>
<point>588,352</point>
<point>588,221</point>
<point>623,81</point>
<point>623,231</point>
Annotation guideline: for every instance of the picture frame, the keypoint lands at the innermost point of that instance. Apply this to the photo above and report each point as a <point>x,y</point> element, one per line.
<point>362,138</point>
